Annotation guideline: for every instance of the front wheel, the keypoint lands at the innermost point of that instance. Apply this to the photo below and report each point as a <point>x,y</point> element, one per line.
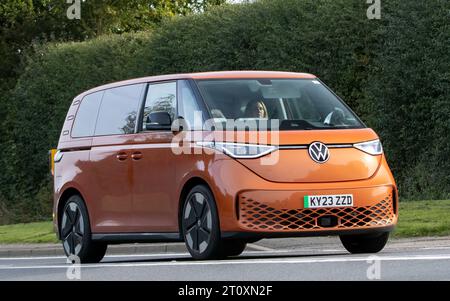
<point>366,243</point>
<point>76,233</point>
<point>200,224</point>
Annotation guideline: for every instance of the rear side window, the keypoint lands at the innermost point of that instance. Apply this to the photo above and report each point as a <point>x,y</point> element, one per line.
<point>84,124</point>
<point>118,110</point>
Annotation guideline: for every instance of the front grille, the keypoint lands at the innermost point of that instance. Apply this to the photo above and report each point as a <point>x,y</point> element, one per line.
<point>257,216</point>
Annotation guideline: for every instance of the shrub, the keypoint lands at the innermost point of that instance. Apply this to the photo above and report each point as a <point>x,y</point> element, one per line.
<point>409,95</point>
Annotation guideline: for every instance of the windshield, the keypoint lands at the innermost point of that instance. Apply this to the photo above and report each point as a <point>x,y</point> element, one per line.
<point>297,104</point>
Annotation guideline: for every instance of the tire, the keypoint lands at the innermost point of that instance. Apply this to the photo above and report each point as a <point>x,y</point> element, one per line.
<point>75,233</point>
<point>200,224</point>
<point>368,243</point>
<point>233,247</point>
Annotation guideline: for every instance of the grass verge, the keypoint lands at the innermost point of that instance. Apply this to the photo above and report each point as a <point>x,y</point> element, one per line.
<point>424,218</point>
<point>41,232</point>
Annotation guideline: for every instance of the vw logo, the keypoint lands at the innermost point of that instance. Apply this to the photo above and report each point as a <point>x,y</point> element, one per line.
<point>319,152</point>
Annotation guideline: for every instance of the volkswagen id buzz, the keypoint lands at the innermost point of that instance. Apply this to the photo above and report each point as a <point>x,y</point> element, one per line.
<point>218,160</point>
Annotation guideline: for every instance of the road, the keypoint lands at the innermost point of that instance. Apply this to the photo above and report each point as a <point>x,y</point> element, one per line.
<point>278,259</point>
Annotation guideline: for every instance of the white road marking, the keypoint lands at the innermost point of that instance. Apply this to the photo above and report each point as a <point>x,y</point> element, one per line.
<point>136,255</point>
<point>238,262</point>
<point>32,258</point>
<point>107,256</point>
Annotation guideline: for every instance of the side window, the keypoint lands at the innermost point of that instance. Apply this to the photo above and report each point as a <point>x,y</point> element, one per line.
<point>84,124</point>
<point>118,110</point>
<point>160,104</point>
<point>189,107</point>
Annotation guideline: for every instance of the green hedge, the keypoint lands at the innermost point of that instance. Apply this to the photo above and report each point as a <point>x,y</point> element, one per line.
<point>394,72</point>
<point>409,95</point>
<point>54,75</point>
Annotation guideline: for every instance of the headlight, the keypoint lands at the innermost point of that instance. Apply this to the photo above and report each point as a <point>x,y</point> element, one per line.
<point>240,150</point>
<point>371,147</point>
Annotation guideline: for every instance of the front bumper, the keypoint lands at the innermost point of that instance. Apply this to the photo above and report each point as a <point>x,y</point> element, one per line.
<point>283,211</point>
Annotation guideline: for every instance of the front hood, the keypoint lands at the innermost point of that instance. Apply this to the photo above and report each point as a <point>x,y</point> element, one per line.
<point>293,164</point>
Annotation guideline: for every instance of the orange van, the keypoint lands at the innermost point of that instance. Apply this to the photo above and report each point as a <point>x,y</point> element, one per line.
<point>218,160</point>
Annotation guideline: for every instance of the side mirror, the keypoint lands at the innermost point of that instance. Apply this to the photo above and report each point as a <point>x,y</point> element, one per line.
<point>158,121</point>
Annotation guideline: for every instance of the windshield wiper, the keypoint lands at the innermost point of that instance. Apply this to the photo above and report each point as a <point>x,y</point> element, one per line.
<point>331,127</point>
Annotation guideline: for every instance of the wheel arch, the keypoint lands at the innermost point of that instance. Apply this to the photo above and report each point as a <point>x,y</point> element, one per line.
<point>188,185</point>
<point>68,192</point>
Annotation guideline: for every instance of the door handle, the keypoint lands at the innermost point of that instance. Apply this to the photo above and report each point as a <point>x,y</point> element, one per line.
<point>137,156</point>
<point>122,156</point>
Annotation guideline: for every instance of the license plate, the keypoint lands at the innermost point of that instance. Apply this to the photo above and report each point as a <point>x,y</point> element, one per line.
<point>326,201</point>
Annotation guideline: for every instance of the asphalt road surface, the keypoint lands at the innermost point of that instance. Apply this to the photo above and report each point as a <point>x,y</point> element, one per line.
<point>277,259</point>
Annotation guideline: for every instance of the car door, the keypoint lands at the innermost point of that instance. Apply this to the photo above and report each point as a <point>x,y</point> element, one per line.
<point>111,163</point>
<point>154,200</point>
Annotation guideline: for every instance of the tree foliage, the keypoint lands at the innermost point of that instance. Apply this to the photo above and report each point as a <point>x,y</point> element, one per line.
<point>25,21</point>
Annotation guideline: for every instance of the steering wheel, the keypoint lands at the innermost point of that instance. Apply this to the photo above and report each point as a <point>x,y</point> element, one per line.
<point>335,117</point>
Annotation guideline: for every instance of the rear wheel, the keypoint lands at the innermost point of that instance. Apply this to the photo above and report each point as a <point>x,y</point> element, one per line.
<point>76,233</point>
<point>367,243</point>
<point>200,224</point>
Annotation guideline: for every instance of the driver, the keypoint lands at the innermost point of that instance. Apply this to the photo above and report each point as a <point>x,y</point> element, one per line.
<point>256,109</point>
